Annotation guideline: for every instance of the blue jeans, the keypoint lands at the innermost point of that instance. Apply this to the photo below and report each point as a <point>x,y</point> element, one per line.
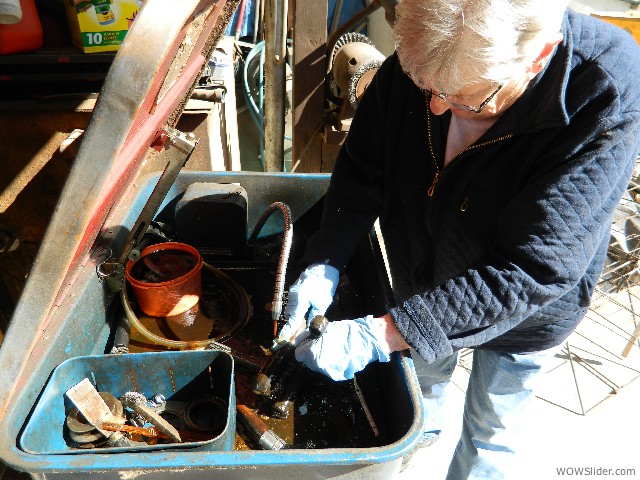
<point>500,387</point>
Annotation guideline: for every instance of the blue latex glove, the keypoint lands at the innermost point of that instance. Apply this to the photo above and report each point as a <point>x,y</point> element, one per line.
<point>310,295</point>
<point>346,347</point>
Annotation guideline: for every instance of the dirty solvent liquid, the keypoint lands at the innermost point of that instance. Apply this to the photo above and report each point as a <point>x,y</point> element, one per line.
<point>163,266</point>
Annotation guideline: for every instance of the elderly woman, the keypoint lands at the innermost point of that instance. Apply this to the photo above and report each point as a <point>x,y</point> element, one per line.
<point>493,147</point>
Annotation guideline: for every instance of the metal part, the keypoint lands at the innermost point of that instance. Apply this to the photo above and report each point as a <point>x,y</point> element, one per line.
<point>349,26</point>
<point>270,441</point>
<point>150,432</point>
<point>284,377</point>
<point>91,437</point>
<point>206,414</point>
<point>354,62</point>
<point>181,147</point>
<point>118,439</point>
<point>213,345</point>
<point>85,435</point>
<point>265,378</point>
<point>108,269</point>
<point>360,80</point>
<point>291,386</point>
<point>85,422</point>
<point>76,422</point>
<point>262,385</point>
<point>215,94</point>
<point>365,408</point>
<point>91,405</point>
<point>265,438</point>
<point>349,37</point>
<point>173,412</point>
<point>138,403</point>
<point>318,326</point>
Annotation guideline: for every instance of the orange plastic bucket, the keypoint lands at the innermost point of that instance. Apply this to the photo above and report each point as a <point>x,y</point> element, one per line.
<point>166,279</point>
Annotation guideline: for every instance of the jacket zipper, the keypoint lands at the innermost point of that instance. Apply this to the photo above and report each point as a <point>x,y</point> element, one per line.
<point>438,173</point>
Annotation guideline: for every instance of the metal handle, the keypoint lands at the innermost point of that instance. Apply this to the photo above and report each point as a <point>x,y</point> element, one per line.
<point>282,12</point>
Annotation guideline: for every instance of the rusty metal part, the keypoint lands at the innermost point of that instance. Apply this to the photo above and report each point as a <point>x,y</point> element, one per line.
<point>77,424</point>
<point>262,435</point>
<point>134,401</point>
<point>86,434</point>
<point>92,437</point>
<point>150,432</point>
<point>91,405</point>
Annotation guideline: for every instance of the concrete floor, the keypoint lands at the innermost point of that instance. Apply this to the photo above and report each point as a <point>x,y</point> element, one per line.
<point>558,434</point>
<point>556,438</point>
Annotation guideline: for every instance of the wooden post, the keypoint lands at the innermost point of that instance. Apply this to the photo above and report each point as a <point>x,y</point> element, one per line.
<point>309,43</point>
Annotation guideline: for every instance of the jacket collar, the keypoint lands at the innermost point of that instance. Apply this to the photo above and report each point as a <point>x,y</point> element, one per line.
<point>543,103</point>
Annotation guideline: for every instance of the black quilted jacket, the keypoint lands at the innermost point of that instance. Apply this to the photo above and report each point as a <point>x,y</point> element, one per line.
<point>506,253</point>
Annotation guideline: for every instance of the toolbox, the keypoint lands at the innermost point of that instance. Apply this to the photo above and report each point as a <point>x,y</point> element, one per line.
<point>70,318</point>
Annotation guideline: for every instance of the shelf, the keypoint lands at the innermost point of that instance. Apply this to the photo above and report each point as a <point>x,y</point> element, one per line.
<point>48,72</point>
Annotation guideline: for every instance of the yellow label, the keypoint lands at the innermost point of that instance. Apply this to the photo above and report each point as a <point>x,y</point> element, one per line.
<point>100,25</point>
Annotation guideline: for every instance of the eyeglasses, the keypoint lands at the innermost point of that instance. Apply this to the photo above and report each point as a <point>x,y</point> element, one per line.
<point>462,106</point>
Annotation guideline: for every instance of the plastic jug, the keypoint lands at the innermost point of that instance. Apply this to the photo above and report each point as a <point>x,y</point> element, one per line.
<point>24,36</point>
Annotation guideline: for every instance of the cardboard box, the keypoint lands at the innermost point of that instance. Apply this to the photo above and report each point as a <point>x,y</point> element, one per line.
<point>100,25</point>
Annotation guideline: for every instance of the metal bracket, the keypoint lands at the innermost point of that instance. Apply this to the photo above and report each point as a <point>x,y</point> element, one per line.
<point>181,147</point>
<point>178,147</point>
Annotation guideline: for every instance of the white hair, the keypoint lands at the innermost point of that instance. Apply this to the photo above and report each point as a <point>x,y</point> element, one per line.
<point>452,44</point>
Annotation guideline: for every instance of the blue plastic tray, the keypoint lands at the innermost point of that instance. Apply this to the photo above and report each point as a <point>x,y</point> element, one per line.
<point>180,376</point>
